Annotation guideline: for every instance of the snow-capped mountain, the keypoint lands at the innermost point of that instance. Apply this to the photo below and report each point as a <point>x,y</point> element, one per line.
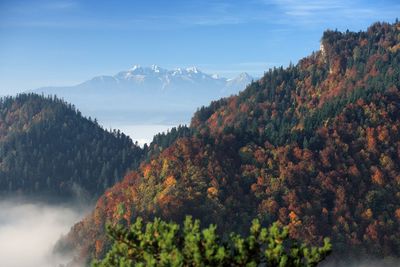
<point>148,95</point>
<point>155,78</point>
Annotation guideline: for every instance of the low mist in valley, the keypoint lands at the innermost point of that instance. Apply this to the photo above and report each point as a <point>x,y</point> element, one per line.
<point>30,229</point>
<point>141,133</point>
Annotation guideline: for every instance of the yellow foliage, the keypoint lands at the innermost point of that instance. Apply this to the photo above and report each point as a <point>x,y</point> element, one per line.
<point>394,48</point>
<point>367,214</point>
<point>170,181</point>
<point>164,169</point>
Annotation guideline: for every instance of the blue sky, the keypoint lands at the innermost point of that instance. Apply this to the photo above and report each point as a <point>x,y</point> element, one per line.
<point>64,42</point>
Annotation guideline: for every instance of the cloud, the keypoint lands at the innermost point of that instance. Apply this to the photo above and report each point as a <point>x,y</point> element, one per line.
<point>293,13</point>
<point>302,7</point>
<point>187,15</point>
<point>205,14</point>
<point>314,12</point>
<point>213,20</point>
<point>29,230</point>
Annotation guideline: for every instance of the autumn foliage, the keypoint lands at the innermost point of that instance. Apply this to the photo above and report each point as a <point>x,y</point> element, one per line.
<point>315,146</point>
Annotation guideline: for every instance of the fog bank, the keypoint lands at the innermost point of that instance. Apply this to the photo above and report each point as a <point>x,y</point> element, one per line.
<point>29,230</point>
<point>142,133</point>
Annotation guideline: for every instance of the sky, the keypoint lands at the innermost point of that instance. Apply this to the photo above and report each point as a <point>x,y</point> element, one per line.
<point>65,42</point>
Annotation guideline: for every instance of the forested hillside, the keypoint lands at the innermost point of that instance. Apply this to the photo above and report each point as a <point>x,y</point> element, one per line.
<point>315,146</point>
<point>48,147</point>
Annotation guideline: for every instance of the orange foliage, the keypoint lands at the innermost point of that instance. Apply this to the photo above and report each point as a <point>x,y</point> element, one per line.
<point>212,192</point>
<point>371,139</point>
<point>293,216</point>
<point>377,176</point>
<point>170,181</point>
<point>98,247</point>
<point>367,214</point>
<point>333,176</point>
<point>146,170</point>
<point>383,134</point>
<point>353,170</point>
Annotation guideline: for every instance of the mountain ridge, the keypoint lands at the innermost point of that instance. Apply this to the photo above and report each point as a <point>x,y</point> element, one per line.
<point>47,147</point>
<point>139,74</point>
<point>314,146</point>
<point>166,96</point>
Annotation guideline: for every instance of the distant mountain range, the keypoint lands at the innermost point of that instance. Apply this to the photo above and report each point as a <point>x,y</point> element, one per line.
<point>148,95</point>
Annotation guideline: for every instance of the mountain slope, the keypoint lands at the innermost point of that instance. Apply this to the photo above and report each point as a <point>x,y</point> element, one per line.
<point>48,147</point>
<point>160,96</point>
<point>315,146</point>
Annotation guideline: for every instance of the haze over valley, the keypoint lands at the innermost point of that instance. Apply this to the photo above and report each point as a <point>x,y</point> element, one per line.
<point>144,101</point>
<point>29,229</point>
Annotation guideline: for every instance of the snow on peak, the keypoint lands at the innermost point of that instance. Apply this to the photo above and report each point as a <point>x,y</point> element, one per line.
<point>177,71</point>
<point>193,69</point>
<point>154,72</point>
<point>155,68</point>
<point>243,77</point>
<point>135,67</point>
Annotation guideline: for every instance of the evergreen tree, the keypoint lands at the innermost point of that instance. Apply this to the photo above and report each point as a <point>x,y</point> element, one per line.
<point>160,243</point>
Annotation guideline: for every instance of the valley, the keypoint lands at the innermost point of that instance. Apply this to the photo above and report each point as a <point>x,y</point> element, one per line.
<point>30,228</point>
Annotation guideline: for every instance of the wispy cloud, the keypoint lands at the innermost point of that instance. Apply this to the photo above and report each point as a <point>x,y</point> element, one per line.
<point>295,12</point>
<point>307,7</point>
<point>314,12</point>
<point>284,13</point>
<point>196,14</point>
<point>214,20</point>
<point>137,23</point>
